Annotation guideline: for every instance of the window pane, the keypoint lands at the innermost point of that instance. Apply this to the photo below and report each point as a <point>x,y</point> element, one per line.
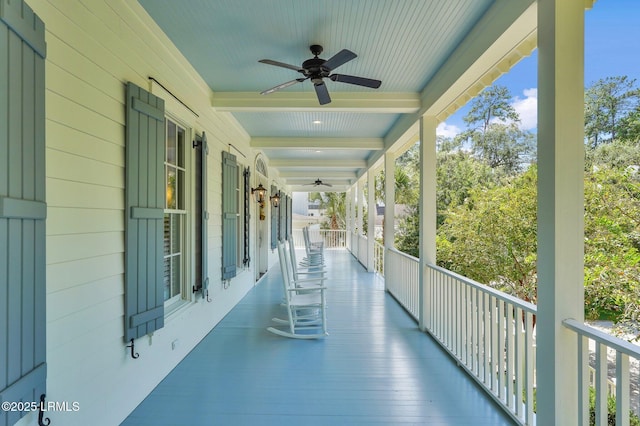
<point>167,278</point>
<point>167,236</point>
<point>175,275</point>
<point>171,187</point>
<point>180,189</point>
<point>175,233</point>
<point>181,154</point>
<point>171,143</point>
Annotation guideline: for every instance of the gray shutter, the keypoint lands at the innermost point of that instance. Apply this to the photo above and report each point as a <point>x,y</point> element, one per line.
<point>282,217</point>
<point>202,275</point>
<point>274,221</point>
<point>246,260</point>
<point>23,209</point>
<point>229,215</point>
<point>144,213</point>
<point>290,215</point>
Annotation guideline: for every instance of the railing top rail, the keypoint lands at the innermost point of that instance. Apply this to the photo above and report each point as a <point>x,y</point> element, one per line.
<point>602,337</point>
<point>527,306</point>
<point>408,256</point>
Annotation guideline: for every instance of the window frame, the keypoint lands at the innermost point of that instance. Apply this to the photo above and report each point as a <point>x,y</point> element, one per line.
<point>187,224</point>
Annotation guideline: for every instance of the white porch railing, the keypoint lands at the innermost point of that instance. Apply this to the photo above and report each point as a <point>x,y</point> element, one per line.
<point>491,335</point>
<point>613,357</point>
<point>333,238</point>
<point>378,258</point>
<point>404,285</point>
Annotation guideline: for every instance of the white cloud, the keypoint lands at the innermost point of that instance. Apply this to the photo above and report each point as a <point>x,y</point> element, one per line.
<point>527,108</point>
<point>447,130</point>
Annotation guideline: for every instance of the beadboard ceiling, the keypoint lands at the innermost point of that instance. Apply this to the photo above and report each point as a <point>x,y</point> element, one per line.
<point>403,43</point>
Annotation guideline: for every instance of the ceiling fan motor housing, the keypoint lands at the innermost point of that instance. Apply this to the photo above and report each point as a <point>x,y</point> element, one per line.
<point>314,68</point>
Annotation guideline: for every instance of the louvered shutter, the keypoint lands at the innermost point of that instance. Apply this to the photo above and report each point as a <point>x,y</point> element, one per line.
<point>23,209</point>
<point>282,217</point>
<point>246,260</point>
<point>144,212</point>
<point>274,221</point>
<point>201,235</point>
<point>290,214</point>
<point>229,215</point>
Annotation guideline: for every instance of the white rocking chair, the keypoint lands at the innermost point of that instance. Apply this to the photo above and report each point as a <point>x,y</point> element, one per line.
<point>305,304</point>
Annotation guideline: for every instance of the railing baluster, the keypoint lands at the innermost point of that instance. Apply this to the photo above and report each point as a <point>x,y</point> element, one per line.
<point>622,389</point>
<point>530,366</point>
<point>510,355</point>
<point>487,340</point>
<point>519,360</point>
<point>601,384</point>
<point>495,352</point>
<point>583,380</point>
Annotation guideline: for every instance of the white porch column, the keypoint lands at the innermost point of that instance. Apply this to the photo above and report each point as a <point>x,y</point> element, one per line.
<point>352,212</point>
<point>347,217</point>
<point>560,205</point>
<point>427,208</point>
<point>389,199</point>
<point>360,206</point>
<point>371,217</point>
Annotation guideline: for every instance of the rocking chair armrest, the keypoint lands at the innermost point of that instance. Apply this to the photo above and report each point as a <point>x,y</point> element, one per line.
<point>307,289</point>
<point>309,280</point>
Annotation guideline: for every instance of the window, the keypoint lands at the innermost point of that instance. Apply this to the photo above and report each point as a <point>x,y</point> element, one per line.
<point>175,212</point>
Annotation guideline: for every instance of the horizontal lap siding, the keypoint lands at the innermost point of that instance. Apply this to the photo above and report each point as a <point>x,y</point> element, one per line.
<point>93,48</point>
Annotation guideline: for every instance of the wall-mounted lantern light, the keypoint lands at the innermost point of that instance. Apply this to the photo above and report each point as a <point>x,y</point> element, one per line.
<point>275,199</point>
<point>259,194</point>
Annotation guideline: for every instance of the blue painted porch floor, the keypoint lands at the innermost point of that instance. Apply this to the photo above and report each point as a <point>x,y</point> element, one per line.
<point>375,367</point>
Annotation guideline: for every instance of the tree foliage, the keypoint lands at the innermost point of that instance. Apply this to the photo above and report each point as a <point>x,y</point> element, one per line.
<point>612,243</point>
<point>486,196</point>
<point>491,237</point>
<point>611,107</point>
<point>334,204</point>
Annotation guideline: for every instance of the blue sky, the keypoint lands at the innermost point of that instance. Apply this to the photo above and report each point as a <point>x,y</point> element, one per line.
<point>612,48</point>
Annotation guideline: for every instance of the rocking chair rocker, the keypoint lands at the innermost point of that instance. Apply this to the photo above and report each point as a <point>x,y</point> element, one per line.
<point>305,303</point>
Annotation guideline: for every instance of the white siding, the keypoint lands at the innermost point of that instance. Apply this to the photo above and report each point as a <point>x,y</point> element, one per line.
<point>94,47</point>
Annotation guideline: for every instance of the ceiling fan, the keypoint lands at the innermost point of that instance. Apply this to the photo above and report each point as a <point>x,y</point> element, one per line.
<point>316,69</point>
<point>318,182</point>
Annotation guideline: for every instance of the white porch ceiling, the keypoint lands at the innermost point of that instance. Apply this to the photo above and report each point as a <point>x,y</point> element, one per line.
<point>423,51</point>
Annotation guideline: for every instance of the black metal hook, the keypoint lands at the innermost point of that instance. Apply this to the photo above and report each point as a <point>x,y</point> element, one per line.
<point>207,296</point>
<point>42,421</point>
<point>134,355</point>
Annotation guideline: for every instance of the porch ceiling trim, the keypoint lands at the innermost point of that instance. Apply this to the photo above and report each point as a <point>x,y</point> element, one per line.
<point>306,163</point>
<point>318,143</point>
<point>360,102</point>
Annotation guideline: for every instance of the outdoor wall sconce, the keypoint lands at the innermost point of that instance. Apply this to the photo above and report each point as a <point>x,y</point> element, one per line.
<point>275,199</point>
<point>259,194</point>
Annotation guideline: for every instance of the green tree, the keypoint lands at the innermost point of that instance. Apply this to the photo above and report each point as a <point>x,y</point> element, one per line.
<point>492,103</point>
<point>607,102</point>
<point>504,146</point>
<point>491,237</point>
<point>334,204</point>
<point>493,132</point>
<point>612,244</point>
<point>629,129</point>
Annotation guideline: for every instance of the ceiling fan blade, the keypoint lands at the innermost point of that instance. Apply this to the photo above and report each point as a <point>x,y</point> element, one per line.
<point>281,64</point>
<point>322,92</point>
<point>338,59</point>
<point>326,184</point>
<point>282,86</point>
<point>360,81</point>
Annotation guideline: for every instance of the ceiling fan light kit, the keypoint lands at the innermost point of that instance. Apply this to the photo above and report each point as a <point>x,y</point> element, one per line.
<point>317,69</point>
